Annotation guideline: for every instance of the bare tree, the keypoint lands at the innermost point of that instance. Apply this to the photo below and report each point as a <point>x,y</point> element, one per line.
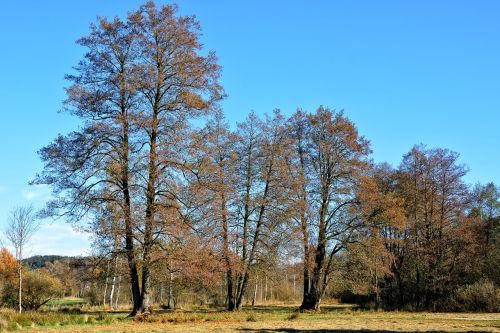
<point>177,84</point>
<point>21,226</point>
<point>330,159</point>
<point>95,166</point>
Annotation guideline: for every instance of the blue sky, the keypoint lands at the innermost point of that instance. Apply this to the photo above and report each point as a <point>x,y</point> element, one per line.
<point>406,72</point>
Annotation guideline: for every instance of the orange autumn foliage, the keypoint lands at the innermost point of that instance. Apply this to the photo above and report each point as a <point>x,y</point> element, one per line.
<point>8,265</point>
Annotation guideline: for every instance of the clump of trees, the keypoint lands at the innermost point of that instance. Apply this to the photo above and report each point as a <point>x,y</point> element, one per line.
<point>446,244</point>
<point>183,208</point>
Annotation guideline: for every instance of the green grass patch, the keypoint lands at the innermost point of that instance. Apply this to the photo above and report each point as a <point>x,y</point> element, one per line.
<point>11,320</point>
<point>67,301</point>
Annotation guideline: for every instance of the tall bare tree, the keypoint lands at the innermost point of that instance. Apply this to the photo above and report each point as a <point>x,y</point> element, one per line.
<point>430,181</point>
<point>261,189</point>
<point>21,227</point>
<point>94,166</point>
<point>177,83</point>
<point>214,189</point>
<point>331,158</point>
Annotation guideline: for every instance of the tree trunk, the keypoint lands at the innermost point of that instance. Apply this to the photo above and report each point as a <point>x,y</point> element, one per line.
<point>229,272</point>
<point>105,287</point>
<point>20,280</point>
<point>170,291</point>
<point>254,293</point>
<point>312,297</point>
<point>129,234</point>
<point>146,306</point>
<point>118,292</point>
<point>113,283</point>
<point>256,239</point>
<point>265,292</point>
<point>261,292</point>
<point>146,288</point>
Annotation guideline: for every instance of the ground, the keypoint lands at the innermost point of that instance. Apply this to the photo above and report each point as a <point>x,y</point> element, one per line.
<point>332,319</point>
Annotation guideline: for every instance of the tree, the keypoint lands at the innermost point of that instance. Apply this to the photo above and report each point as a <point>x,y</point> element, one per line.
<point>140,83</point>
<point>8,272</point>
<point>433,180</point>
<point>486,207</point>
<point>213,151</point>
<point>262,190</point>
<point>94,166</point>
<point>330,158</point>
<point>21,227</point>
<point>432,249</point>
<point>176,84</point>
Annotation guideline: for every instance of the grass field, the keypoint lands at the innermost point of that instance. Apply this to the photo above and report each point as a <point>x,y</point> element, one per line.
<point>251,320</point>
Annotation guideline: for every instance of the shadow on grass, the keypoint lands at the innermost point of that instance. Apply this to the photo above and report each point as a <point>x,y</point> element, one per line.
<point>259,309</point>
<point>293,330</point>
<point>293,308</point>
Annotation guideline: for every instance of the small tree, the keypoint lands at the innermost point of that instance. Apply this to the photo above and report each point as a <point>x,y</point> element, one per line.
<point>21,226</point>
<point>40,287</point>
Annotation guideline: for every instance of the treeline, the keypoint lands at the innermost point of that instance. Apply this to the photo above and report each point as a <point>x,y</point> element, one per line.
<point>35,262</point>
<point>218,211</point>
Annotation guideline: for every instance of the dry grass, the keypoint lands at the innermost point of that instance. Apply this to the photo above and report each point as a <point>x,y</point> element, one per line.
<point>276,319</point>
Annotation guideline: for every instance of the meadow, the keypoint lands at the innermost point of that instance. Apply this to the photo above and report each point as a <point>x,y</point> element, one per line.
<point>70,315</point>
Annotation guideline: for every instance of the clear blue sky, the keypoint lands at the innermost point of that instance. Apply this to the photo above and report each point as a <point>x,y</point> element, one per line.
<point>406,72</point>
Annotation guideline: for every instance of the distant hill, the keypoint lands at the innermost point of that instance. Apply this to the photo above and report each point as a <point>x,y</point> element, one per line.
<point>36,262</point>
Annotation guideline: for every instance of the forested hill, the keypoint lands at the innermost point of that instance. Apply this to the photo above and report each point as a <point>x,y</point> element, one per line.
<point>36,262</point>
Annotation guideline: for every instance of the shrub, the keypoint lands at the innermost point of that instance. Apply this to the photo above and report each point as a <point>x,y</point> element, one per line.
<point>480,296</point>
<point>40,287</point>
<point>252,318</point>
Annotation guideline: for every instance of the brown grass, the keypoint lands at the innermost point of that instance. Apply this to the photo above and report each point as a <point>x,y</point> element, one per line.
<point>278,319</point>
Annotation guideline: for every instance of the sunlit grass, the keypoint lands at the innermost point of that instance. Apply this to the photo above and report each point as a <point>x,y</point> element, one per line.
<point>258,319</point>
<point>67,301</point>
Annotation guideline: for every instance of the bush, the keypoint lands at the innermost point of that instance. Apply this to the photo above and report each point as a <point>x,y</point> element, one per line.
<point>481,296</point>
<point>38,288</point>
<point>252,318</point>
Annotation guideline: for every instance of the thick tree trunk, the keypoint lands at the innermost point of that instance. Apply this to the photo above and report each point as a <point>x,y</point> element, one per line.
<point>146,281</point>
<point>231,305</point>
<point>129,234</point>
<point>146,306</point>
<point>134,275</point>
<point>312,297</point>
